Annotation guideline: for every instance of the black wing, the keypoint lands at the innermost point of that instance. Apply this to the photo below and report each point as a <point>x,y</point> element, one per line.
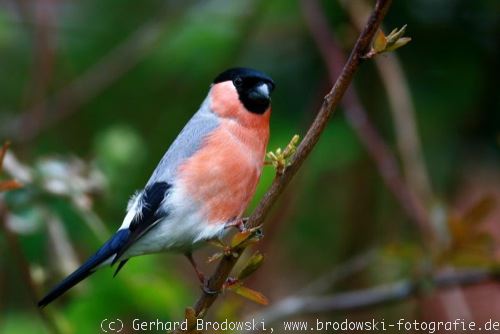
<point>149,216</point>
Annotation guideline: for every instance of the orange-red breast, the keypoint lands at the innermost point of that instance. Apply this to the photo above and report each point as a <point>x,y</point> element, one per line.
<point>202,184</point>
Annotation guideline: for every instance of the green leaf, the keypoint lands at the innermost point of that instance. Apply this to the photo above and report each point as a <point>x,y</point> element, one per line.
<point>239,238</point>
<point>399,43</point>
<point>249,294</point>
<point>252,265</point>
<point>379,42</point>
<point>215,257</point>
<point>395,35</point>
<point>281,158</point>
<point>217,243</point>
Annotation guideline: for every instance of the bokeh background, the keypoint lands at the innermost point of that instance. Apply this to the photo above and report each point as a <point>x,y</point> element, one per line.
<point>93,92</point>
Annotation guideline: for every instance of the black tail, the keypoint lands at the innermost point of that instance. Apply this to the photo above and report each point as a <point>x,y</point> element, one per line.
<point>110,248</point>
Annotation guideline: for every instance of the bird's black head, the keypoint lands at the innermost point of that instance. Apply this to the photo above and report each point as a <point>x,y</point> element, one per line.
<point>254,88</point>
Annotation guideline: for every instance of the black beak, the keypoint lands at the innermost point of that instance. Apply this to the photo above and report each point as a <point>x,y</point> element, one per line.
<point>261,93</point>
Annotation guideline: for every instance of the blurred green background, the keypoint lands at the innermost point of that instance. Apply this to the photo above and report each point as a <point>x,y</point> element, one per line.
<point>93,92</point>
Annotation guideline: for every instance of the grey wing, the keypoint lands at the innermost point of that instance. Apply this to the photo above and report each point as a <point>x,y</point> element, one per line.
<point>203,122</point>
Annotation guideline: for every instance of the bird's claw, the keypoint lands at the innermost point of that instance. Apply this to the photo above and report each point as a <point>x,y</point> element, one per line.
<point>239,223</point>
<point>206,289</point>
<point>230,281</point>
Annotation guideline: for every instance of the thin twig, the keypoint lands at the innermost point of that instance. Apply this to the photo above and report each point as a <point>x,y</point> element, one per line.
<point>402,109</point>
<point>330,102</point>
<point>409,144</point>
<point>370,297</point>
<point>375,145</point>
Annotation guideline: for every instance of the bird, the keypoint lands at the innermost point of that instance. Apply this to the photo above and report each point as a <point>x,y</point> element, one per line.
<point>203,183</point>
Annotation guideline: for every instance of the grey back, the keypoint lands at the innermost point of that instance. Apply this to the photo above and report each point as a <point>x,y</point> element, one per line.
<point>203,122</point>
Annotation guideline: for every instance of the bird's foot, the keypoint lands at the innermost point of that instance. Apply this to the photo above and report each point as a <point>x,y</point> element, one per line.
<point>199,274</point>
<point>201,277</point>
<point>230,281</point>
<point>238,223</point>
<point>206,289</point>
<point>204,283</point>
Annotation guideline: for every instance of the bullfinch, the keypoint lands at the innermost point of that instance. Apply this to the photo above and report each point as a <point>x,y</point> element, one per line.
<point>203,183</point>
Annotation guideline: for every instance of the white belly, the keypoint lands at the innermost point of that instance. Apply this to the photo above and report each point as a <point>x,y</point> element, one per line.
<point>181,230</point>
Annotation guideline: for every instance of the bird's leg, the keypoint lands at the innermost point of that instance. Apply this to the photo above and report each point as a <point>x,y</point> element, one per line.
<point>239,223</point>
<point>201,276</point>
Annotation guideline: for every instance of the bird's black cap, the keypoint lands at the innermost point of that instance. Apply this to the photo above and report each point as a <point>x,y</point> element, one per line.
<point>244,73</point>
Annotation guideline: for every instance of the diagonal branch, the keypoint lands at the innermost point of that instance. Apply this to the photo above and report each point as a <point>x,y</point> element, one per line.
<point>377,148</point>
<point>330,102</point>
<point>402,109</point>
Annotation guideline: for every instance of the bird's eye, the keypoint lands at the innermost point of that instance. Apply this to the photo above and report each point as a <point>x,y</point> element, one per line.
<point>238,81</point>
